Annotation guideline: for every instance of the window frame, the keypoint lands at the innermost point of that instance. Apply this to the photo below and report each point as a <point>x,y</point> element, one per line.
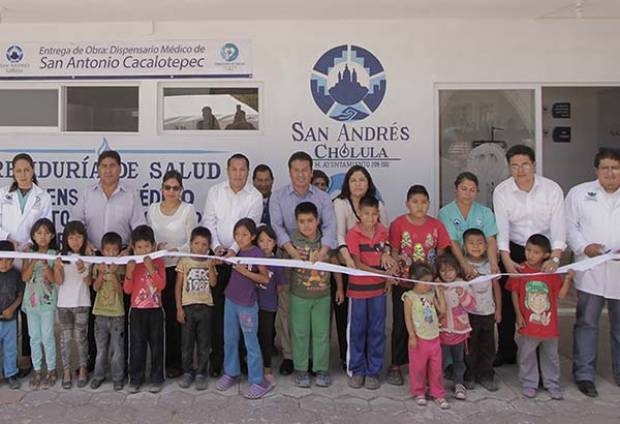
<point>205,83</point>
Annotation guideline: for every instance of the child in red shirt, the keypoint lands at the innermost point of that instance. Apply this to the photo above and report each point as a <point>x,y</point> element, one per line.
<point>144,282</point>
<point>415,237</point>
<point>367,242</point>
<point>535,302</point>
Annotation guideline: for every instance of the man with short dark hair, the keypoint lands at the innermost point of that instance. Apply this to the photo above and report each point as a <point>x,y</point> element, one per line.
<point>262,177</point>
<point>227,202</point>
<point>593,223</point>
<point>282,210</point>
<point>524,204</point>
<point>109,205</point>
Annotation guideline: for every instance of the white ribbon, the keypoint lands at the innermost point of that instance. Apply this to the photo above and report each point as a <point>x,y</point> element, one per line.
<point>580,266</point>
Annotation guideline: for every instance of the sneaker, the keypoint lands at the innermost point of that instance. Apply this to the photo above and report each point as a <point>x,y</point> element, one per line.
<point>489,384</point>
<point>356,381</point>
<point>186,380</point>
<point>372,382</point>
<point>460,392</point>
<point>528,392</point>
<point>134,388</point>
<point>323,379</point>
<point>302,379</point>
<point>469,384</point>
<point>155,387</point>
<point>420,400</point>
<point>118,386</point>
<point>201,382</point>
<point>95,383</point>
<point>394,377</point>
<point>442,403</point>
<point>556,394</point>
<point>14,383</point>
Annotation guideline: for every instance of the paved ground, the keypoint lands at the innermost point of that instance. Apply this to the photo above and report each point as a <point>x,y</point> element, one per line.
<point>287,404</point>
<point>337,404</point>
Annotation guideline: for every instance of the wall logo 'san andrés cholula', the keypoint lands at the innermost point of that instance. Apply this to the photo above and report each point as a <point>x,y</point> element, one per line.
<point>14,54</point>
<point>348,83</point>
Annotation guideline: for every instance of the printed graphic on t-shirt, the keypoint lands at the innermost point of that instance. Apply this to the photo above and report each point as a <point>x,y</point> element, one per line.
<point>312,280</point>
<point>411,253</point>
<point>427,309</point>
<point>197,280</point>
<point>537,302</point>
<point>148,294</point>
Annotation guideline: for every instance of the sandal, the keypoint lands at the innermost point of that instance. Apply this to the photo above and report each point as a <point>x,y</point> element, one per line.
<point>35,380</point>
<point>226,382</point>
<point>257,391</point>
<point>50,379</point>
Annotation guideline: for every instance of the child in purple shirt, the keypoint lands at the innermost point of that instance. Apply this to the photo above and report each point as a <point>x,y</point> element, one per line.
<point>241,310</point>
<point>268,297</point>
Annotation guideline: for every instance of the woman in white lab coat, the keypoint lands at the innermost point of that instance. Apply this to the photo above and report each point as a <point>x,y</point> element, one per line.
<point>21,205</point>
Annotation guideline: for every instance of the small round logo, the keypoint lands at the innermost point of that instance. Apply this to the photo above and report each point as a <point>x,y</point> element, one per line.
<point>229,52</point>
<point>14,54</point>
<point>348,83</point>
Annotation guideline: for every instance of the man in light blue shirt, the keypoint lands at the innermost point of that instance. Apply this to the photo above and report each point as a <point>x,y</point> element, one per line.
<point>282,211</point>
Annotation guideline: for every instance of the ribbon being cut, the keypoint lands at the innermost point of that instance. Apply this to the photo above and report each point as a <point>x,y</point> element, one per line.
<point>580,266</point>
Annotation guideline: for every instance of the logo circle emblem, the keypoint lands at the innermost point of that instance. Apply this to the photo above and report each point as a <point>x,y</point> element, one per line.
<point>229,52</point>
<point>14,54</point>
<point>348,83</point>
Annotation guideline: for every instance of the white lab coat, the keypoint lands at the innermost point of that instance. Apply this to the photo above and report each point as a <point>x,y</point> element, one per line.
<point>16,225</point>
<point>594,217</point>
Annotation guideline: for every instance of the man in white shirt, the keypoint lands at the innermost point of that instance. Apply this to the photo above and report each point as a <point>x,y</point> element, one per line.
<point>593,225</point>
<point>228,202</point>
<point>524,204</point>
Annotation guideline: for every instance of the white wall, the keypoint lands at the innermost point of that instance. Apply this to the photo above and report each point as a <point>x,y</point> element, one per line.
<point>571,163</point>
<point>416,56</point>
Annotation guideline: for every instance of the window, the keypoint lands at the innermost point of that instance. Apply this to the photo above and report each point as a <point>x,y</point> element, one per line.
<point>109,109</point>
<point>211,108</point>
<point>476,127</point>
<point>29,108</point>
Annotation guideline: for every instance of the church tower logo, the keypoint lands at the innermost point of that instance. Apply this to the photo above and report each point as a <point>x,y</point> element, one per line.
<point>348,83</point>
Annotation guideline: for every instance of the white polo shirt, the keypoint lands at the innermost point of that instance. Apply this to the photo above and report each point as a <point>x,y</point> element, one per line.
<point>593,216</point>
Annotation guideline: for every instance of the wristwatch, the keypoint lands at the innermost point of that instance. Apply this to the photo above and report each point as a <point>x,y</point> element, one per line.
<point>556,260</point>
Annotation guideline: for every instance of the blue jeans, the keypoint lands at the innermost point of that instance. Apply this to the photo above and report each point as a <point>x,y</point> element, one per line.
<point>246,317</point>
<point>585,337</point>
<point>8,341</point>
<point>41,329</point>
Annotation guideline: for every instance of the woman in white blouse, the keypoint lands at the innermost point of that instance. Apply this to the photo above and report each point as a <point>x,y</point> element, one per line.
<point>357,184</point>
<point>172,221</point>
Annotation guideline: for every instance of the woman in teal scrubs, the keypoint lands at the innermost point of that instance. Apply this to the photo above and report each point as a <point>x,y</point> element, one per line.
<point>464,213</point>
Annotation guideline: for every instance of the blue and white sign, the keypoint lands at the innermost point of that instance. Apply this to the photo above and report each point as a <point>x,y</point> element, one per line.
<point>348,83</point>
<point>140,59</point>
